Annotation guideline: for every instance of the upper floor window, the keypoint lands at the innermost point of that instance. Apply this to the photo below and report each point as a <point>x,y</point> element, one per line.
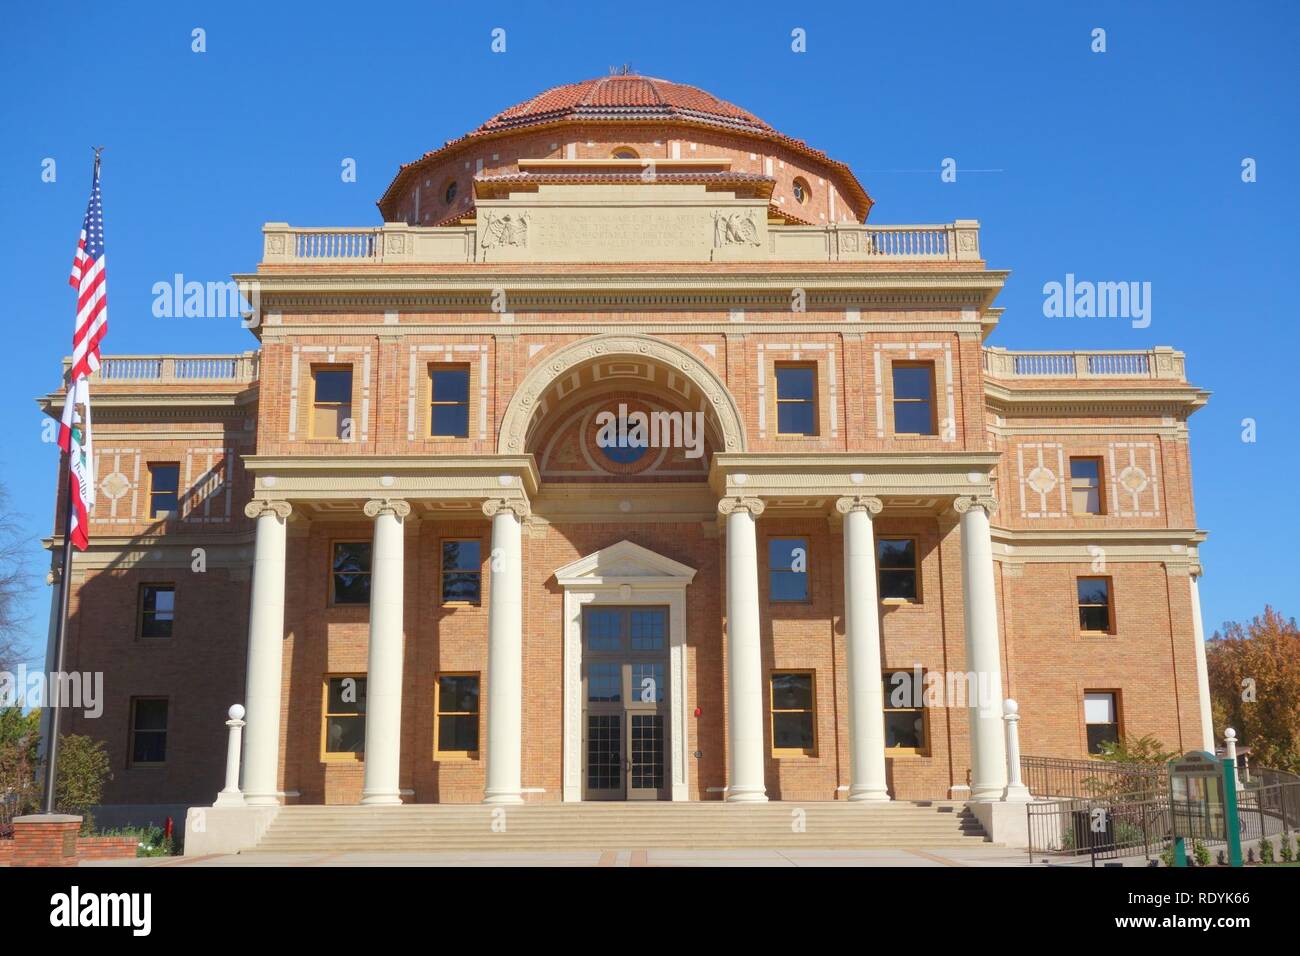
<point>1101,719</point>
<point>350,573</point>
<point>331,415</point>
<point>801,191</point>
<point>794,713</point>
<point>787,569</point>
<point>164,489</point>
<point>449,401</point>
<point>914,398</point>
<point>1085,486</point>
<point>1094,605</point>
<point>897,569</point>
<point>157,610</point>
<point>449,194</point>
<point>462,571</point>
<point>796,399</point>
<point>148,731</point>
<point>625,152</point>
<point>344,723</point>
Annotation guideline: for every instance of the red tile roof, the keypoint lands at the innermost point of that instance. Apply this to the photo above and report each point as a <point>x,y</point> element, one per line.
<point>625,97</point>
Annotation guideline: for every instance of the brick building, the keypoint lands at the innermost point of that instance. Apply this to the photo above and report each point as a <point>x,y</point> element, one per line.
<point>400,533</point>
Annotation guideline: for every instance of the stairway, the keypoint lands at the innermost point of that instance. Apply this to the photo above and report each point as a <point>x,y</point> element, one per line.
<point>561,826</point>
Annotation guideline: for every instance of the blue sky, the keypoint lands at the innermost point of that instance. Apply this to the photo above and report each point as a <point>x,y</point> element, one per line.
<point>1123,165</point>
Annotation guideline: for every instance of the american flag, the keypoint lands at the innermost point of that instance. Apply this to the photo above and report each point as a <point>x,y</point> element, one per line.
<point>90,280</point>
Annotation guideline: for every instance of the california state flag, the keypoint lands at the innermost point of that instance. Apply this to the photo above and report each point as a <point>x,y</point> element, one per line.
<point>74,438</point>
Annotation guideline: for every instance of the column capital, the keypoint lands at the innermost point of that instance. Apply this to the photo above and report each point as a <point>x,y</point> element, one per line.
<point>965,503</point>
<point>518,506</point>
<point>867,503</point>
<point>754,506</point>
<point>262,506</point>
<point>377,506</point>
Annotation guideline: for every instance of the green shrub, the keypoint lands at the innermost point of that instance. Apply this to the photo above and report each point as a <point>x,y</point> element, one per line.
<point>1287,854</point>
<point>83,767</point>
<point>1201,852</point>
<point>1265,851</point>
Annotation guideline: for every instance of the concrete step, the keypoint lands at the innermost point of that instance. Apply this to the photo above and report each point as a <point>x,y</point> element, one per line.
<point>712,825</point>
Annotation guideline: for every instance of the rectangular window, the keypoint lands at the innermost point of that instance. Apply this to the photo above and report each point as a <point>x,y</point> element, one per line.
<point>1085,486</point>
<point>164,489</point>
<point>905,729</point>
<point>449,401</point>
<point>796,399</point>
<point>350,573</point>
<point>794,713</point>
<point>148,731</point>
<point>331,414</point>
<point>157,610</point>
<point>462,571</point>
<point>914,398</point>
<point>1094,605</point>
<point>1101,717</point>
<point>787,569</point>
<point>344,728</point>
<point>456,705</point>
<point>896,563</point>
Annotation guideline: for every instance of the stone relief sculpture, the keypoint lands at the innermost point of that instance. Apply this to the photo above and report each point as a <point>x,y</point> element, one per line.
<point>510,229</point>
<point>734,229</point>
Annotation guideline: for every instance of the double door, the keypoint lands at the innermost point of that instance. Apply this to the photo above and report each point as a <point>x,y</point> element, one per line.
<point>625,703</point>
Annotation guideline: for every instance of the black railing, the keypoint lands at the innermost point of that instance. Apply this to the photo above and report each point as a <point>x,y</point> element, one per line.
<point>1066,777</point>
<point>1104,828</point>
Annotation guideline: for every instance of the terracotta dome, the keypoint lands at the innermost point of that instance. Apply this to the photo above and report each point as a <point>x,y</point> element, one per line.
<point>625,116</point>
<point>626,97</point>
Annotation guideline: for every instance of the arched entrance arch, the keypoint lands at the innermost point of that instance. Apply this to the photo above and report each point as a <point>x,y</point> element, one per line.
<point>682,371</point>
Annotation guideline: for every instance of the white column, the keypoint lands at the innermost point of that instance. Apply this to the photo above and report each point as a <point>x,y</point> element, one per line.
<point>384,663</point>
<point>983,654</point>
<point>230,795</point>
<point>1202,669</point>
<point>505,669</point>
<point>1016,791</point>
<point>862,638</point>
<point>744,653</point>
<point>265,654</point>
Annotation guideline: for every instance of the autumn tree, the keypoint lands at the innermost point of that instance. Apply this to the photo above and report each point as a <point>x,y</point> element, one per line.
<point>1255,687</point>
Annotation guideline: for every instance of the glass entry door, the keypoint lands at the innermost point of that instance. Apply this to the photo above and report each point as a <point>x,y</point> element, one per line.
<point>625,709</point>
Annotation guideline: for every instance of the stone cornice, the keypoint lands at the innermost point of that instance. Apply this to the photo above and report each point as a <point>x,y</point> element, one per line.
<point>1177,548</point>
<point>360,478</point>
<point>1083,398</point>
<point>847,474</point>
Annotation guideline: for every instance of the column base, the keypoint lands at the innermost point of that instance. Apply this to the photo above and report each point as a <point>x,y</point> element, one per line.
<point>231,798</point>
<point>386,798</point>
<point>499,797</point>
<point>986,794</point>
<point>1017,794</point>
<point>746,795</point>
<point>869,796</point>
<point>262,800</point>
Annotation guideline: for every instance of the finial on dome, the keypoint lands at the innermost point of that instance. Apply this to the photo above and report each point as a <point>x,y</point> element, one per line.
<point>624,70</point>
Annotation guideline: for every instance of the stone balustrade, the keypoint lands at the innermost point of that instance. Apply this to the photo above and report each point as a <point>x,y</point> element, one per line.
<point>390,243</point>
<point>240,368</point>
<point>1161,362</point>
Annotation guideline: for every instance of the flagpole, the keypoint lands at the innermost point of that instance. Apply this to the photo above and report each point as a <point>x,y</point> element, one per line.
<point>54,681</point>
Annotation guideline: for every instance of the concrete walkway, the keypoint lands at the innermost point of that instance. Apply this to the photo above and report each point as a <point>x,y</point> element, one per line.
<point>958,856</point>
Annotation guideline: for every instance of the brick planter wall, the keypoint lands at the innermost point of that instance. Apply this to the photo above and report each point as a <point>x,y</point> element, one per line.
<point>107,847</point>
<point>45,840</point>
